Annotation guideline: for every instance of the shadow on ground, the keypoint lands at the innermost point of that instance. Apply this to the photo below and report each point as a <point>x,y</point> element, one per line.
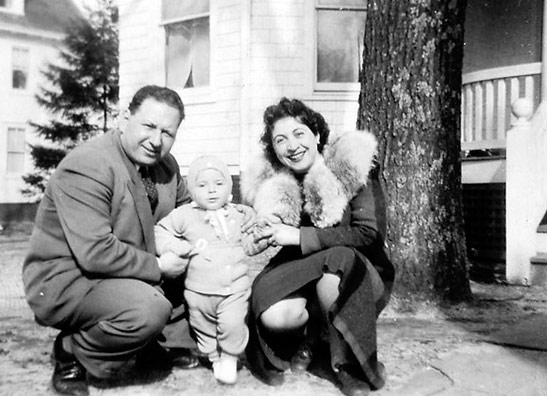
<point>513,317</point>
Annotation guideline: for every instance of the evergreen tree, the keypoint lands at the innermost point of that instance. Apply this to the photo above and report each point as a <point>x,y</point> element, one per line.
<point>81,93</point>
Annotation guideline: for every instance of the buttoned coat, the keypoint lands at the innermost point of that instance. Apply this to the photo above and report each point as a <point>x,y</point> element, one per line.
<point>219,268</point>
<point>95,222</point>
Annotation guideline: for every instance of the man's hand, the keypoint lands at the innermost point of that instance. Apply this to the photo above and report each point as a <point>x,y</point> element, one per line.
<point>172,265</point>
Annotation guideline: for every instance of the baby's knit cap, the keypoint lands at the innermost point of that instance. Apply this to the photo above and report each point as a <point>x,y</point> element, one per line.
<point>207,162</point>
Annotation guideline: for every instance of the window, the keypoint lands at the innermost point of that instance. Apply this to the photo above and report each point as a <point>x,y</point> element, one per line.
<point>5,3</point>
<point>16,150</point>
<point>20,67</point>
<point>187,43</point>
<point>339,43</point>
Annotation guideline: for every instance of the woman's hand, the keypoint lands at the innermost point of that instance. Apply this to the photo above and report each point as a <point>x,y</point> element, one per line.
<point>267,220</point>
<point>279,234</point>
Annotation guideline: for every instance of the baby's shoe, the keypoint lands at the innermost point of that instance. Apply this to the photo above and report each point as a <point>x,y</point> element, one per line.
<point>225,369</point>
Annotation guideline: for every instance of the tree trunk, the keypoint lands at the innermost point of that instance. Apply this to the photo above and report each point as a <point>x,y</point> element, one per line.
<point>410,98</point>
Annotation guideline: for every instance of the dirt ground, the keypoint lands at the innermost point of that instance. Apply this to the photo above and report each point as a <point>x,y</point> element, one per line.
<point>408,341</point>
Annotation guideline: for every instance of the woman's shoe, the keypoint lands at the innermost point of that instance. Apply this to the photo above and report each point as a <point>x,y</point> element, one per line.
<point>381,375</point>
<point>270,377</point>
<point>301,359</point>
<point>349,384</point>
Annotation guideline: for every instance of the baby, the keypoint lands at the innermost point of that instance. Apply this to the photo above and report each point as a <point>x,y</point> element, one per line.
<point>217,285</point>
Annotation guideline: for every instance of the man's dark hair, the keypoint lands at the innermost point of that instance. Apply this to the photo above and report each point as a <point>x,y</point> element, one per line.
<point>161,94</point>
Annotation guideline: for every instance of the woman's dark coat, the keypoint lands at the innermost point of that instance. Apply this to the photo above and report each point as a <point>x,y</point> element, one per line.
<point>339,202</point>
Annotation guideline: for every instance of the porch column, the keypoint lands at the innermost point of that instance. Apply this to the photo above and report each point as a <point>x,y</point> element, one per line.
<point>521,194</point>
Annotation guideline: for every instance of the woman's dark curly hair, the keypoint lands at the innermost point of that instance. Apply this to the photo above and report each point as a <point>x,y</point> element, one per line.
<point>292,108</point>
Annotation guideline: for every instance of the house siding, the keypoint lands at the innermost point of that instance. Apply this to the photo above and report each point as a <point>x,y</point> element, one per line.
<point>39,27</point>
<point>282,53</point>
<point>19,106</point>
<point>261,50</point>
<point>141,46</point>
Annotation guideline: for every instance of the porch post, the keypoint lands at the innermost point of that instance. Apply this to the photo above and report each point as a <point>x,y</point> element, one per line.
<point>520,193</point>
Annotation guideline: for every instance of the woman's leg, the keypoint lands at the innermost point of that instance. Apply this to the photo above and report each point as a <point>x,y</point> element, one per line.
<point>286,320</point>
<point>327,292</point>
<point>352,334</point>
<point>286,315</point>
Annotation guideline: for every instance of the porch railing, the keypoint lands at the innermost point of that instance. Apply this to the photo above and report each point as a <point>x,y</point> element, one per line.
<point>487,96</point>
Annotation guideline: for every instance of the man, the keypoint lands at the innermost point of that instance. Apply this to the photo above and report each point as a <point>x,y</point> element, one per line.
<point>91,270</point>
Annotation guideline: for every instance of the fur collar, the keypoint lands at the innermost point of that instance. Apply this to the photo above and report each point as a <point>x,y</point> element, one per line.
<point>325,190</point>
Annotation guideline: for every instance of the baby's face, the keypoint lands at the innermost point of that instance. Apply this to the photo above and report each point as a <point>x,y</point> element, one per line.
<point>211,190</point>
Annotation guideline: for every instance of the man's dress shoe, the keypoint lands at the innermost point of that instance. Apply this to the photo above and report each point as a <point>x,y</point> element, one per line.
<point>154,356</point>
<point>69,376</point>
<point>183,358</point>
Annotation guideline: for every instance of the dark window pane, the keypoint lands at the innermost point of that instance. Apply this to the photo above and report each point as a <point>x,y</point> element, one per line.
<point>339,45</point>
<point>19,79</point>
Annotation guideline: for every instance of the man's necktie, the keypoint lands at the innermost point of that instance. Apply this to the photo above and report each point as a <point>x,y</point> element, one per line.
<point>150,186</point>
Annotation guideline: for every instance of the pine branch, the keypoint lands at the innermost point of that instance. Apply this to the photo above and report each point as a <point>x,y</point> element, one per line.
<point>81,92</point>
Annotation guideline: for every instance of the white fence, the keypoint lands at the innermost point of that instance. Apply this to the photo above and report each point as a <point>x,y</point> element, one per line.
<point>486,102</point>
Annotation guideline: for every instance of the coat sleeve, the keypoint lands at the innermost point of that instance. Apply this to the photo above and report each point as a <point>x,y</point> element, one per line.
<point>82,193</point>
<point>360,232</point>
<point>170,231</point>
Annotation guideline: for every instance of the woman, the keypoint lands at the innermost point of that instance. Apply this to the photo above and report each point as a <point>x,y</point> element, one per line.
<point>316,199</point>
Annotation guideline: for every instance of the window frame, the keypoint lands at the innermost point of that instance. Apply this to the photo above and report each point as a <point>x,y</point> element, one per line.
<point>13,7</point>
<point>15,151</point>
<point>7,6</point>
<point>201,94</point>
<point>328,88</point>
<point>14,67</point>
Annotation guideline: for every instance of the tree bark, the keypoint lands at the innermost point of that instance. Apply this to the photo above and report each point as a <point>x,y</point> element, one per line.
<point>410,98</point>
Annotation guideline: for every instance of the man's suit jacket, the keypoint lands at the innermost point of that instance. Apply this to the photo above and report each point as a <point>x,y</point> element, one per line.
<point>95,222</point>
